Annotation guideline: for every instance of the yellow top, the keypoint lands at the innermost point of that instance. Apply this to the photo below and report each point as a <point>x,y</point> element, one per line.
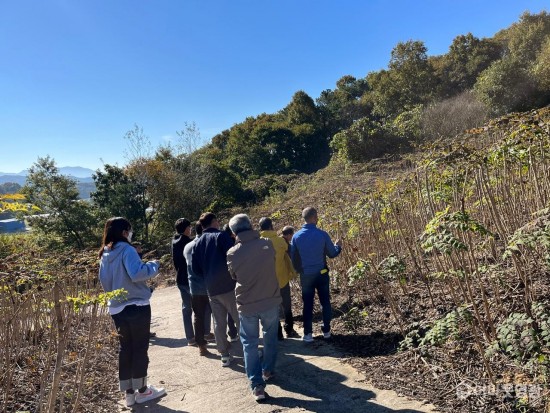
<point>283,265</point>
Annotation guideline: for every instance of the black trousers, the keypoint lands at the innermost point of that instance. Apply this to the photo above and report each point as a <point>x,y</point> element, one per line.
<point>287,310</point>
<point>199,303</point>
<point>133,326</point>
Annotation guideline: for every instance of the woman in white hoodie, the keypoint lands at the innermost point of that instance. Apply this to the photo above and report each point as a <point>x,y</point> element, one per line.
<point>121,267</point>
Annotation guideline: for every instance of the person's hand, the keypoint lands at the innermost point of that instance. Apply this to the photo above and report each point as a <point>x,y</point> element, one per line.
<point>339,242</point>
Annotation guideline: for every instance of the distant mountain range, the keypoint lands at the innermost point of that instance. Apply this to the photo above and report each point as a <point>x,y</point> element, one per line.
<point>83,177</point>
<point>74,171</point>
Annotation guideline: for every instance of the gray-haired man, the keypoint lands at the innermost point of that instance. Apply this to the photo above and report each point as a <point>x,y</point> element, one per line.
<point>251,263</point>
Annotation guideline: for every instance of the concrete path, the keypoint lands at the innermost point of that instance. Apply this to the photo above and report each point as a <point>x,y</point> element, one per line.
<point>310,377</point>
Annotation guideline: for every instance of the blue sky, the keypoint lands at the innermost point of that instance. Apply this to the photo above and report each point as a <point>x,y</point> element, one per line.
<point>77,75</point>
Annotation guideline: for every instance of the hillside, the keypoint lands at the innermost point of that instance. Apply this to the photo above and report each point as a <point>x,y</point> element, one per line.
<point>442,287</point>
<point>441,292</point>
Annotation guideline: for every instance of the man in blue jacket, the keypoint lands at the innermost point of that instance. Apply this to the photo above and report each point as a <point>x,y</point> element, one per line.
<point>202,313</point>
<point>209,260</point>
<point>309,248</point>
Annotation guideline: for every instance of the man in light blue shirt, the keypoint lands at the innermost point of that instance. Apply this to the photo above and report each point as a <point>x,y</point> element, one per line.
<point>309,248</point>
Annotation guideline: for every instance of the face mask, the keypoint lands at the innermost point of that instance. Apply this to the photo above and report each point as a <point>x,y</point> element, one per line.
<point>129,237</point>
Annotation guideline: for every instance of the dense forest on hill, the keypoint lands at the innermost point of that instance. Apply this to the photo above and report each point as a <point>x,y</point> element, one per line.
<point>436,173</point>
<point>417,99</point>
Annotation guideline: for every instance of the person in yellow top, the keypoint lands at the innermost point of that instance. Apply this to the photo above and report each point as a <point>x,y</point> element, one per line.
<point>285,272</point>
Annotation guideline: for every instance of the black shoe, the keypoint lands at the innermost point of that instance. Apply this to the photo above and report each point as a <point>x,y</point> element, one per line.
<point>292,334</point>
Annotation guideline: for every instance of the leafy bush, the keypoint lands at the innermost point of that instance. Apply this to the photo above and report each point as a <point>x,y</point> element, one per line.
<point>541,69</point>
<point>446,328</point>
<point>393,267</point>
<point>267,185</point>
<point>516,337</point>
<point>366,139</point>
<point>526,340</point>
<point>507,86</point>
<point>441,331</point>
<point>358,272</point>
<point>535,235</point>
<point>354,318</point>
<point>12,243</point>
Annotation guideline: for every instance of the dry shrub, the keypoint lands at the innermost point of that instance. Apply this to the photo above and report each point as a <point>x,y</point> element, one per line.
<point>452,116</point>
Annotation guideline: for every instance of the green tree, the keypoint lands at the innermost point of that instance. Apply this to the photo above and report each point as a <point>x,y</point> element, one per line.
<point>301,109</point>
<point>244,153</point>
<point>526,38</point>
<point>468,56</point>
<point>64,215</point>
<point>178,186</point>
<point>225,188</point>
<point>118,194</point>
<point>409,81</point>
<point>507,86</point>
<point>273,144</point>
<point>342,106</point>
<point>518,81</point>
<point>541,68</point>
<point>412,72</point>
<point>384,96</point>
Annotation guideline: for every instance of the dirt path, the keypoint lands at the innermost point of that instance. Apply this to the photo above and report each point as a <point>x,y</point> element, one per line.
<point>310,377</point>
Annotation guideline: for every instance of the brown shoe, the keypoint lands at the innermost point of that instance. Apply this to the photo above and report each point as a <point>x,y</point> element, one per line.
<point>203,351</point>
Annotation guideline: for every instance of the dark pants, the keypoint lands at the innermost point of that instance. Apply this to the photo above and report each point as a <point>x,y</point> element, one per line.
<point>287,310</point>
<point>133,327</point>
<point>231,328</point>
<point>202,314</point>
<point>310,283</point>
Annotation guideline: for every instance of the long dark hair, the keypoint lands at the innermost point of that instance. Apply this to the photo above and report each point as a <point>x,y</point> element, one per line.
<point>114,227</point>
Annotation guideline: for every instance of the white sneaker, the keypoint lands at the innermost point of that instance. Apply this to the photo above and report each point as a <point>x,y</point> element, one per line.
<point>151,393</point>
<point>326,335</point>
<point>130,399</point>
<point>308,338</point>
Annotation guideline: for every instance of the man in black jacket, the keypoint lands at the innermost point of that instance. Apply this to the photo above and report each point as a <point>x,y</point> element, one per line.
<point>181,238</point>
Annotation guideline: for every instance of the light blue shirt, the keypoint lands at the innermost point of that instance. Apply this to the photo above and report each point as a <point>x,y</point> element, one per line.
<point>122,268</point>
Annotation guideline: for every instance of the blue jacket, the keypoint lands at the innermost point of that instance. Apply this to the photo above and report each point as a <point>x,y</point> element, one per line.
<point>309,248</point>
<point>197,285</point>
<point>209,260</point>
<point>121,267</point>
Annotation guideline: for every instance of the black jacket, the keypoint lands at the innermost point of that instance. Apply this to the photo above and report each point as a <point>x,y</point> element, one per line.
<point>178,243</point>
